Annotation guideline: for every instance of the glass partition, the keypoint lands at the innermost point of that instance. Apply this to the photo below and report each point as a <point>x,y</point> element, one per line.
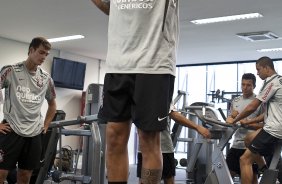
<point>202,82</point>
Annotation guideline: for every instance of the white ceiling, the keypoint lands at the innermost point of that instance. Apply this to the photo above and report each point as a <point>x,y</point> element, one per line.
<point>22,20</point>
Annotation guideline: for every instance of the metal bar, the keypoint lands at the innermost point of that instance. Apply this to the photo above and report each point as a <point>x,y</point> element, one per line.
<point>77,132</point>
<point>192,160</point>
<point>50,151</point>
<point>79,120</point>
<point>97,153</point>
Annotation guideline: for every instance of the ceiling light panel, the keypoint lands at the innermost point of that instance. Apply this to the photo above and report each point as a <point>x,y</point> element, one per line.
<point>270,50</point>
<point>227,18</point>
<point>65,38</point>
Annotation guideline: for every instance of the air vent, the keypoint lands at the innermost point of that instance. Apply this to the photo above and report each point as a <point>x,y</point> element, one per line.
<point>258,36</point>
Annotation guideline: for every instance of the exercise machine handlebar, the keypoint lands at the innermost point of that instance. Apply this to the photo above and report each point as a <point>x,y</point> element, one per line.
<point>212,121</point>
<point>204,118</point>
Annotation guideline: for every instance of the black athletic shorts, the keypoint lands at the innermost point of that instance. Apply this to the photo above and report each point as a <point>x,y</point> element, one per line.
<point>168,165</point>
<point>233,160</point>
<point>143,98</point>
<point>26,151</point>
<point>263,144</point>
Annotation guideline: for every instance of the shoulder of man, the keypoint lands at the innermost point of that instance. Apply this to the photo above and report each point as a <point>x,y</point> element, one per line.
<point>5,70</point>
<point>13,66</point>
<point>44,73</point>
<point>237,98</point>
<point>279,79</point>
<point>6,67</point>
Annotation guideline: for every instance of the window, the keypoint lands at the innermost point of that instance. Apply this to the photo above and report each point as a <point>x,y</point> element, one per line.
<point>201,81</point>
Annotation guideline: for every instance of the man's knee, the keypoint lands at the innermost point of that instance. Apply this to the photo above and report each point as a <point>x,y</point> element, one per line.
<point>242,160</point>
<point>149,140</point>
<point>3,175</point>
<point>247,141</point>
<point>24,176</point>
<point>117,135</point>
<point>245,159</point>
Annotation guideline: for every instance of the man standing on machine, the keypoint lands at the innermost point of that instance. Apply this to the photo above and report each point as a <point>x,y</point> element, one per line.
<point>265,141</point>
<point>253,121</point>
<point>139,82</point>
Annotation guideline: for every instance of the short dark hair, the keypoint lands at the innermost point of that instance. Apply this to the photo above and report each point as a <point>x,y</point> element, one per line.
<point>249,76</point>
<point>265,61</point>
<point>37,41</point>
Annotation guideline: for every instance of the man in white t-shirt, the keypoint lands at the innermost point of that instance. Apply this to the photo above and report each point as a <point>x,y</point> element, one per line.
<point>248,83</point>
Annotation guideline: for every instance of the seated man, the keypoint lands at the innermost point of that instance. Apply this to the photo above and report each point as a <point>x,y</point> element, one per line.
<point>253,122</point>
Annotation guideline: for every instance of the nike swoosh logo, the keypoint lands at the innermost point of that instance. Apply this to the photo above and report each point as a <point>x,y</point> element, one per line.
<point>41,161</point>
<point>254,146</point>
<point>160,119</point>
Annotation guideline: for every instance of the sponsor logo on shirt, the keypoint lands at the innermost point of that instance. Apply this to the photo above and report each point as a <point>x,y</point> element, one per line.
<point>133,4</point>
<point>24,95</point>
<point>267,91</point>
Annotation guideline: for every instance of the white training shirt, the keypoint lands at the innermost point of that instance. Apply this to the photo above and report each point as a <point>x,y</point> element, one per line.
<point>24,96</point>
<point>271,94</point>
<point>239,103</point>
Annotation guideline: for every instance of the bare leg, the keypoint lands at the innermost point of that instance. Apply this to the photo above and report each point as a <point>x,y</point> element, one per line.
<point>246,167</point>
<point>248,139</point>
<point>117,135</point>
<point>3,175</point>
<point>152,157</point>
<point>246,162</point>
<point>169,180</point>
<point>23,176</point>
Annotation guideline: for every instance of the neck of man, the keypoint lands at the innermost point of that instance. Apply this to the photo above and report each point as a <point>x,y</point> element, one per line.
<point>248,95</point>
<point>30,66</point>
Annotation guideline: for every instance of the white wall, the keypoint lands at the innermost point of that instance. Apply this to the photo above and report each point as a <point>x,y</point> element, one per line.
<point>67,99</point>
<point>71,99</point>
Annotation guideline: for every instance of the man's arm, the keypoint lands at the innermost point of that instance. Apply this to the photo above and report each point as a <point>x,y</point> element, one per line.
<point>255,126</point>
<point>179,118</point>
<point>51,111</point>
<point>255,123</point>
<point>248,110</point>
<point>104,7</point>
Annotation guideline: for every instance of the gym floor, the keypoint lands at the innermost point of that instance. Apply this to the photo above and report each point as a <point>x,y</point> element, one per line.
<point>179,179</point>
